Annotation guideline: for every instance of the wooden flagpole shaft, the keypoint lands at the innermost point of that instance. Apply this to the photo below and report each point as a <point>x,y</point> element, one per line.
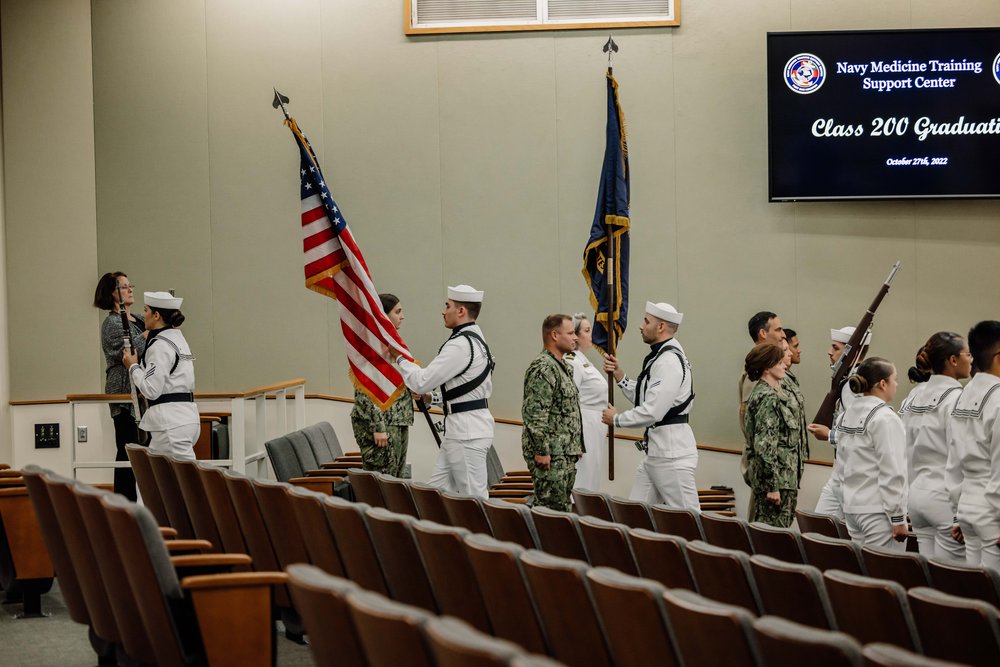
<point>609,274</point>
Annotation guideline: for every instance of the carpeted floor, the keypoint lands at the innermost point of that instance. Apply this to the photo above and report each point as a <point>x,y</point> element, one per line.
<point>56,641</point>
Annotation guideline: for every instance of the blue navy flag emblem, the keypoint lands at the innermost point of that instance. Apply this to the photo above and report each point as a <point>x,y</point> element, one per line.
<point>996,68</point>
<point>804,73</point>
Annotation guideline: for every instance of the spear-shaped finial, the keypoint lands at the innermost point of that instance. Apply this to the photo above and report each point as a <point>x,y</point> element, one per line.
<point>280,101</point>
<point>610,48</point>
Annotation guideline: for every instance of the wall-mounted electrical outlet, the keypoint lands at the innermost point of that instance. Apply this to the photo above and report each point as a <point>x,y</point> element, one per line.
<point>46,436</point>
<point>81,434</point>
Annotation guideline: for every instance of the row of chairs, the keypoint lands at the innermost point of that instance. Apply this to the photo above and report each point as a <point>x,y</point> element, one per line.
<point>378,549</point>
<point>348,625</point>
<point>826,550</point>
<point>147,599</point>
<point>26,573</point>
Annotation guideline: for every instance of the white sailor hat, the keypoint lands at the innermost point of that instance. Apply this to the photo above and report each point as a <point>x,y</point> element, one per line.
<point>465,293</point>
<point>844,335</point>
<point>162,300</point>
<point>664,311</point>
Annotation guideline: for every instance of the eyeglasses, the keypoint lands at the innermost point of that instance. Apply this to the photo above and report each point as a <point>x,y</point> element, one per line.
<point>129,286</point>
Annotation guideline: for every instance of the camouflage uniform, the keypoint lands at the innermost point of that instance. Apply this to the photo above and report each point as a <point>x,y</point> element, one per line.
<point>553,427</point>
<point>367,420</point>
<point>777,449</point>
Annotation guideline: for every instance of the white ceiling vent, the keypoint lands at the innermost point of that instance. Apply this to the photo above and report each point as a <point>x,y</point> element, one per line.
<point>437,16</point>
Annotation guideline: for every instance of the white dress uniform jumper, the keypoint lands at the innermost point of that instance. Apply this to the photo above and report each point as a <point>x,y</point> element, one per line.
<point>926,415</point>
<point>975,481</point>
<point>873,453</point>
<point>663,395</point>
<point>165,376</point>
<point>463,370</point>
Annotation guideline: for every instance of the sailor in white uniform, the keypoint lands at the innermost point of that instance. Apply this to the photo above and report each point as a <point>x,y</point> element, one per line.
<point>926,414</point>
<point>165,377</point>
<point>831,499</point>
<point>975,438</point>
<point>662,395</point>
<point>463,371</point>
<point>873,453</point>
<point>593,387</point>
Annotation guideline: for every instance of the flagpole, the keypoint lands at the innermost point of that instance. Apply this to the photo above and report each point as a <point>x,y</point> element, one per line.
<point>422,406</point>
<point>609,272</point>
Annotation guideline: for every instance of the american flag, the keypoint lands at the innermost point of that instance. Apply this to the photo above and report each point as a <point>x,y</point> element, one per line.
<point>335,267</point>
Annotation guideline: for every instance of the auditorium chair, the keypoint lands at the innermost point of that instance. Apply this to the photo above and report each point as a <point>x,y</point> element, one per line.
<point>781,543</point>
<point>635,620</point>
<point>886,655</point>
<point>728,532</point>
<point>511,522</point>
<point>514,485</point>
<point>500,580</point>
<point>466,512</point>
<point>221,505</point>
<point>811,522</point>
<point>391,633</point>
<point>25,568</point>
<point>832,553</point>
<point>325,443</point>
<point>259,545</point>
<point>607,545</point>
<point>562,595</point>
<point>710,632</point>
<point>170,492</point>
<point>632,513</point>
<point>430,505</point>
<point>405,574</point>
<point>397,496</point>
<point>531,660</point>
<point>717,499</point>
<point>366,487</point>
<point>132,638</point>
<point>792,590</point>
<point>226,618</point>
<point>349,525</point>
<point>678,521</point>
<point>146,481</point>
<point>455,644</point>
<point>871,610</point>
<point>279,518</point>
<point>662,558</point>
<point>326,616</point>
<point>453,582</point>
<point>317,536</point>
<point>592,503</point>
<point>724,575</point>
<point>956,628</point>
<point>559,533</point>
<point>63,561</point>
<point>971,581</point>
<point>907,568</point>
<point>189,479</point>
<point>784,642</point>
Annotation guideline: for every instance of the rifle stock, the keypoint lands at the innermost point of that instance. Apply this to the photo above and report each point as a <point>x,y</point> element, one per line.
<point>852,355</point>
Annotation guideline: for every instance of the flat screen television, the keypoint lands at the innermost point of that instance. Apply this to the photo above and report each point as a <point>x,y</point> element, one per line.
<point>897,114</point>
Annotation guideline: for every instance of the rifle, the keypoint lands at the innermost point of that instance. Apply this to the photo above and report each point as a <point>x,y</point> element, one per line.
<point>422,406</point>
<point>851,355</point>
<point>129,343</point>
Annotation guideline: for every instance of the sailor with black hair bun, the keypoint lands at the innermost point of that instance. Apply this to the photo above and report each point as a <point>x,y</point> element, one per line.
<point>165,376</point>
<point>940,363</point>
<point>872,446</point>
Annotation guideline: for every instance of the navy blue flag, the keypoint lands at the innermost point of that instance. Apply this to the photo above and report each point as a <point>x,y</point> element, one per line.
<point>608,280</point>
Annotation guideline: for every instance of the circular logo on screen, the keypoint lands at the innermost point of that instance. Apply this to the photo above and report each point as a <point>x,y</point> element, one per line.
<point>805,73</point>
<point>996,68</point>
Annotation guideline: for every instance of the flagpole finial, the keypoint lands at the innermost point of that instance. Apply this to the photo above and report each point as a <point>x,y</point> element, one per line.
<point>610,48</point>
<point>280,101</point>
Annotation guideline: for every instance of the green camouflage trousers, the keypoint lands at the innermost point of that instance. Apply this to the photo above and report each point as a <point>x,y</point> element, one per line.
<point>390,459</point>
<point>553,487</point>
<point>781,515</point>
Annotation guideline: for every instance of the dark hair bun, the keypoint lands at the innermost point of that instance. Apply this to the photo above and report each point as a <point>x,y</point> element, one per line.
<point>858,384</point>
<point>918,374</point>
